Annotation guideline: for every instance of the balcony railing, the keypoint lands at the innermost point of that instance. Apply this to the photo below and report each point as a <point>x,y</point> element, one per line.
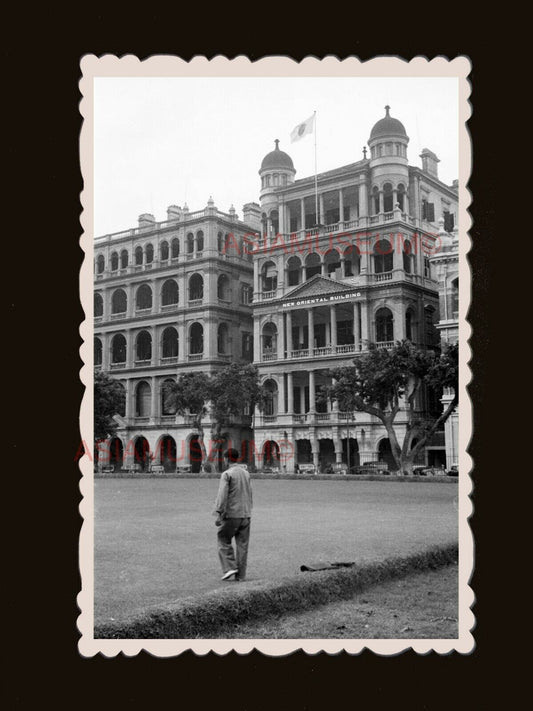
<point>267,295</point>
<point>269,419</point>
<point>169,307</point>
<point>325,350</point>
<point>143,363</point>
<point>323,416</point>
<point>116,317</point>
<point>385,344</point>
<point>166,360</point>
<point>195,356</point>
<point>302,353</point>
<point>269,355</point>
<point>299,419</point>
<point>117,366</point>
<point>195,302</point>
<point>385,276</point>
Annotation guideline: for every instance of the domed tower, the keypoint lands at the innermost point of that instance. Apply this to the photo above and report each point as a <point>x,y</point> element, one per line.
<point>277,171</point>
<point>389,171</point>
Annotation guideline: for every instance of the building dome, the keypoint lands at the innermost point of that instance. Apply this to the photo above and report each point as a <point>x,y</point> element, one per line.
<point>277,159</point>
<point>388,126</point>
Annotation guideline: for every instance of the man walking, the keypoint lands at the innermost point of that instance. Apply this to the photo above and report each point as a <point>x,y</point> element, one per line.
<point>233,509</point>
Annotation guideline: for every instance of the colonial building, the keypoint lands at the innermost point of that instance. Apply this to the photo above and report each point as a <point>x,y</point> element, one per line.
<point>445,265</point>
<point>323,267</point>
<point>170,297</point>
<point>344,261</point>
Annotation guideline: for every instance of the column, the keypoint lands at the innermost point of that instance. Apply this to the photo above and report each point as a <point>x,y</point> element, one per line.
<point>256,278</point>
<point>106,346</point>
<point>343,266</point>
<point>394,197</point>
<point>155,297</point>
<point>302,214</point>
<point>257,341</point>
<point>322,219</point>
<point>130,387</point>
<point>315,449</point>
<point>310,329</point>
<point>300,336</point>
<point>269,230</point>
<point>363,199</point>
<point>155,347</point>
<point>154,409</point>
<point>289,346</point>
<point>182,342</point>
<point>290,394</point>
<point>281,395</point>
<point>312,404</point>
<point>341,206</point>
<point>380,193</point>
<point>364,325</point>
<point>281,218</point>
<point>356,326</point>
<point>399,322</point>
<point>337,443</point>
<point>130,311</point>
<point>333,322</point>
<point>322,267</point>
<point>130,349</point>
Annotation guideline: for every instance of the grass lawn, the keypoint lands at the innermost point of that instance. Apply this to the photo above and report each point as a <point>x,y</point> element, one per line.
<point>155,540</point>
<point>419,606</point>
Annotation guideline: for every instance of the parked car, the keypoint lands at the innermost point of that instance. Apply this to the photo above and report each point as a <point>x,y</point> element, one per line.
<point>370,468</point>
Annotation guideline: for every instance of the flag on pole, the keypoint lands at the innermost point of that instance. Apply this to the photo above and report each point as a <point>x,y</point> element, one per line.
<point>302,129</point>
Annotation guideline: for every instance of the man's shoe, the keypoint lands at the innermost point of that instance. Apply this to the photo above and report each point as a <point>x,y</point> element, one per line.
<point>229,574</point>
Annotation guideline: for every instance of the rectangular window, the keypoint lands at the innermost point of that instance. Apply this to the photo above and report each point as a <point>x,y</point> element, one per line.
<point>428,211</point>
<point>247,346</point>
<point>448,221</point>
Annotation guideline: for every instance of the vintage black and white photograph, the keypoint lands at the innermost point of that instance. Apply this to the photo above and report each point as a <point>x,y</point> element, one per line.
<point>275,420</point>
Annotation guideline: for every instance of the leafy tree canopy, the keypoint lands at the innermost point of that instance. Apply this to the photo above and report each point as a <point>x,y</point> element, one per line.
<point>109,399</point>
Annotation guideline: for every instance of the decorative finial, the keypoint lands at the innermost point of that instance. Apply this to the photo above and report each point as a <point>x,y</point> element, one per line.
<point>276,142</point>
<point>387,109</point>
<point>364,152</point>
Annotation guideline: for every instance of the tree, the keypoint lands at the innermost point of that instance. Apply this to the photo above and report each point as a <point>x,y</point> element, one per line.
<point>382,381</point>
<point>109,399</point>
<point>235,388</point>
<point>190,394</point>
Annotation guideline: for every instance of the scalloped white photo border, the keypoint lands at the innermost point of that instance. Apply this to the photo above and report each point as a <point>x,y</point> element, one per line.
<point>273,66</point>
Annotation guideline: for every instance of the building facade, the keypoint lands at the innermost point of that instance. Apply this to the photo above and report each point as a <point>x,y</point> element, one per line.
<point>170,297</point>
<point>316,272</point>
<point>445,265</point>
<point>344,262</point>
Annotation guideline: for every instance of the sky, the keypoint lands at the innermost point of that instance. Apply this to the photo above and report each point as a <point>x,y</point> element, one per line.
<point>162,141</point>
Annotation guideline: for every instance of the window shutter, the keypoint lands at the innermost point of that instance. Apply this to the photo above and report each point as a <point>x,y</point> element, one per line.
<point>430,212</point>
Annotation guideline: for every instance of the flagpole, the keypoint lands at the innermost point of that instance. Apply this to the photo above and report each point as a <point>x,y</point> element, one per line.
<point>316,181</point>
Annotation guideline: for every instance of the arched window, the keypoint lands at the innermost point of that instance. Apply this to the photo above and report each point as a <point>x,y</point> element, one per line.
<point>384,326</point>
<point>431,333</point>
<point>167,405</point>
<point>375,200</point>
<point>271,397</point>
<point>294,271</point>
<point>312,265</point>
<point>149,251</point>
<point>200,241</point>
<point>138,256</point>
<point>190,243</point>
<point>352,260</point>
<point>383,257</point>
<point>332,260</point>
<point>119,302</point>
<point>114,262</point>
<point>124,258</point>
<point>170,343</point>
<point>100,264</point>
<point>163,251</point>
<point>143,346</point>
<point>408,257</point>
<point>196,287</point>
<point>223,290</point>
<point>143,398</point>
<point>401,196</point>
<point>118,349</point>
<point>98,305</point>
<point>196,339</point>
<point>175,248</point>
<point>97,351</point>
<point>169,293</point>
<point>269,276</point>
<point>274,218</point>
<point>143,299</point>
<point>387,198</point>
<point>454,298</point>
<point>270,339</point>
<point>223,339</point>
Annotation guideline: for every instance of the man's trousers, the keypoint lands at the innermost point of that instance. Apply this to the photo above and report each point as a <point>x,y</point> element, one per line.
<point>238,528</point>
